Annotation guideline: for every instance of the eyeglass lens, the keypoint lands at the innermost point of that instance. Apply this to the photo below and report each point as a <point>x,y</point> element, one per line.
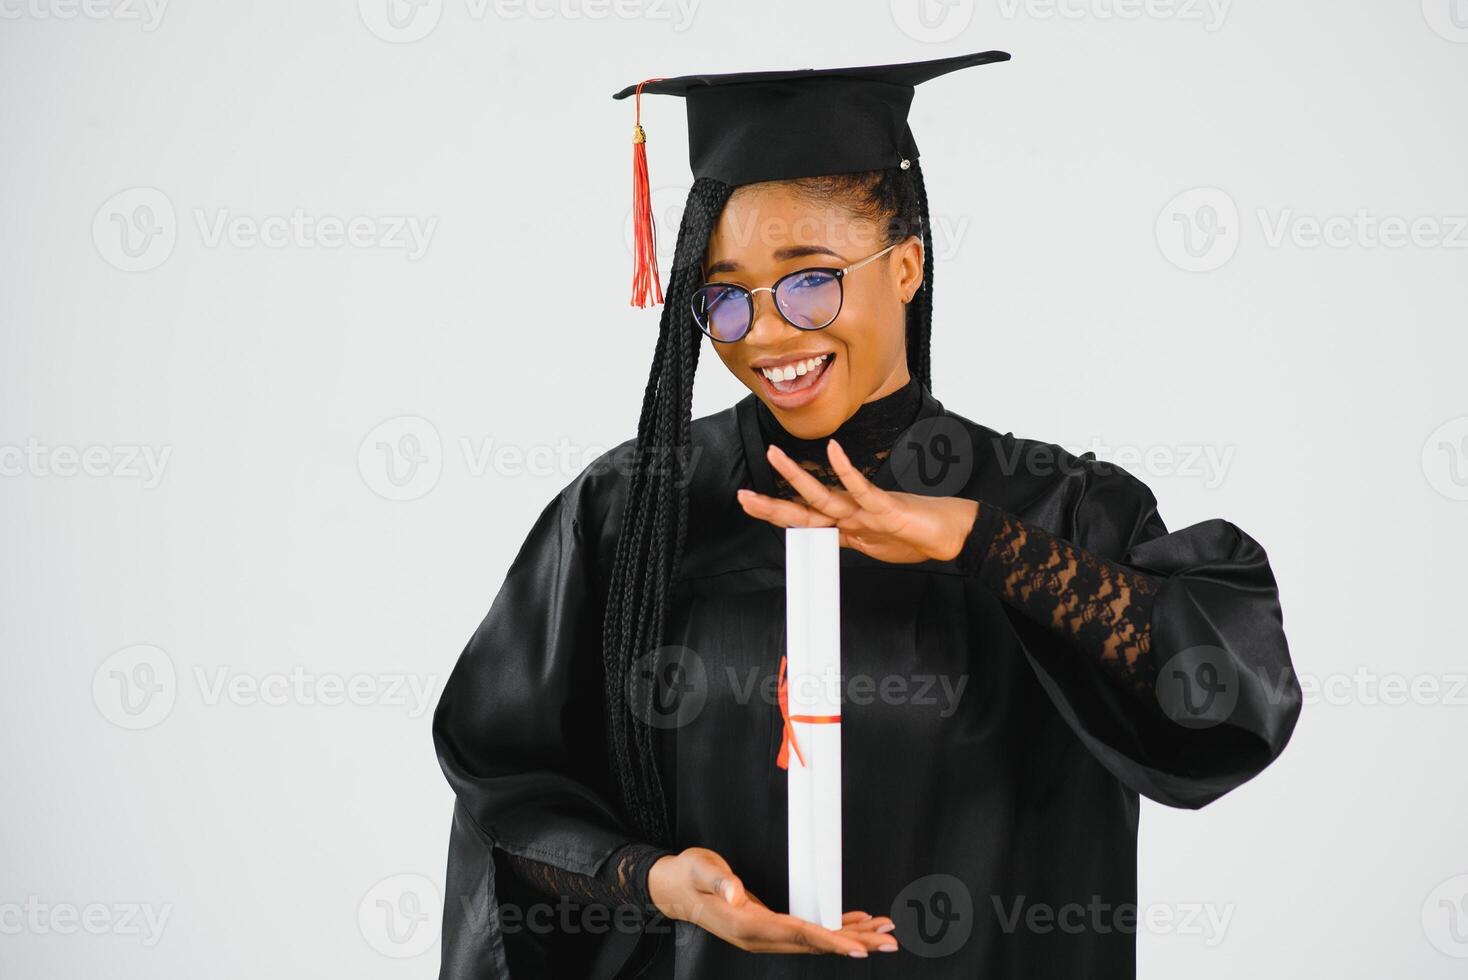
<point>809,300</point>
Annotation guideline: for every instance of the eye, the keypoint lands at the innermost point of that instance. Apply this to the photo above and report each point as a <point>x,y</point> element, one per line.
<point>715,296</point>
<point>810,279</point>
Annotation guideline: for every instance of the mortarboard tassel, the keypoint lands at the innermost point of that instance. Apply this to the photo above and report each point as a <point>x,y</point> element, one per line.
<point>644,231</point>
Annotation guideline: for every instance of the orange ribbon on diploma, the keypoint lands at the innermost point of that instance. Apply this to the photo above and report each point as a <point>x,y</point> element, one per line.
<point>787,739</point>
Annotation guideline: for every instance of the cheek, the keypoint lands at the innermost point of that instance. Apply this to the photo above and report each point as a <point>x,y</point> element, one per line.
<point>872,326</point>
<point>725,352</point>
<point>871,300</point>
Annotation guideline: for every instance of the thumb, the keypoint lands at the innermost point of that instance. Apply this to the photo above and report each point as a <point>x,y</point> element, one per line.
<point>713,875</point>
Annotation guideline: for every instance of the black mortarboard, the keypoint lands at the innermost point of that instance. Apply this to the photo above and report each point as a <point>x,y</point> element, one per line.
<point>778,125</point>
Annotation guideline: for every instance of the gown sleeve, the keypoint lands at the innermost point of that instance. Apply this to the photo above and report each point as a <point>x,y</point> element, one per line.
<point>622,880</point>
<point>519,734</point>
<point>1164,652</point>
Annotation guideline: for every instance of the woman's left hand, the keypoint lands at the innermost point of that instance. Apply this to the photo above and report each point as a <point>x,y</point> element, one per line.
<point>888,525</point>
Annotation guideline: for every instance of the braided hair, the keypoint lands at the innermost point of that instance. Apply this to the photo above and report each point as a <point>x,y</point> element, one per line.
<point>655,515</point>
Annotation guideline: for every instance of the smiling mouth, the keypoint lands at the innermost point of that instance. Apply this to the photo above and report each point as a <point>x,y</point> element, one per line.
<point>797,376</point>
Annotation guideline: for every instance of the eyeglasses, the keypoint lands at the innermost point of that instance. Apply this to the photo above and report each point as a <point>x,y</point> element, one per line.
<point>808,299</point>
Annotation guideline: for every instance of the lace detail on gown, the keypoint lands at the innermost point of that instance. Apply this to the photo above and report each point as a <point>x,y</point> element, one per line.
<point>621,881</point>
<point>1103,606</point>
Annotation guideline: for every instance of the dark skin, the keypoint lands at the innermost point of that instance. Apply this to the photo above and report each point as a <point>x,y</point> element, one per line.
<point>765,231</point>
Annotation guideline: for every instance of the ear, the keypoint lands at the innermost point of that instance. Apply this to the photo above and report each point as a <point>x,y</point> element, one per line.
<point>909,267</point>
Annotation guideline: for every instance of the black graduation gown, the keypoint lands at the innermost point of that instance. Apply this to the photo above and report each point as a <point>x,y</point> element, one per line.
<point>996,821</point>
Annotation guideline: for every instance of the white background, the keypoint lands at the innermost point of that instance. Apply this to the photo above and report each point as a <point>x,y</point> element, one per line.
<point>263,552</point>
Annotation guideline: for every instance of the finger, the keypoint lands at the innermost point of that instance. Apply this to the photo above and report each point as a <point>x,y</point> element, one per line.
<point>867,927</point>
<point>781,513</point>
<point>759,929</point>
<point>802,936</point>
<point>879,941</point>
<point>866,494</point>
<point>732,891</point>
<point>880,924</point>
<point>710,878</point>
<point>835,941</point>
<point>816,493</point>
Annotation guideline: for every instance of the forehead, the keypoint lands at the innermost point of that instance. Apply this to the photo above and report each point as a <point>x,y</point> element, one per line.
<point>762,218</point>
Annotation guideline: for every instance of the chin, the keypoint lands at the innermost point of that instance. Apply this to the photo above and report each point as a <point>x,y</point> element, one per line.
<point>813,421</point>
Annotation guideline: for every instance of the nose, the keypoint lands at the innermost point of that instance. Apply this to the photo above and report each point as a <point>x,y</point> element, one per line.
<point>769,328</point>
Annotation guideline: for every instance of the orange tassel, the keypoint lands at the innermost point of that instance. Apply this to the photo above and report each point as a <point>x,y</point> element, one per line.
<point>645,279</point>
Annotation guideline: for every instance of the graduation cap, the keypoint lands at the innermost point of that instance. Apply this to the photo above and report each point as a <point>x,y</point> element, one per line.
<point>778,125</point>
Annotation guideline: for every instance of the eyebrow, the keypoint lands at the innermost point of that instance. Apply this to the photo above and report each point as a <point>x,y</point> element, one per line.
<point>781,255</point>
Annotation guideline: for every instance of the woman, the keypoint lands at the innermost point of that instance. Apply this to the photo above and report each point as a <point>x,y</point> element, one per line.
<point>1025,648</point>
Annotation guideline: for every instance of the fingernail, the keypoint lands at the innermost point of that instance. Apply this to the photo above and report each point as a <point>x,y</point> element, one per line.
<point>888,947</point>
<point>858,953</point>
<point>887,927</point>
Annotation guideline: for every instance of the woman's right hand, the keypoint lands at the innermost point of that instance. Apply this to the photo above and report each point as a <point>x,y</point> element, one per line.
<point>698,886</point>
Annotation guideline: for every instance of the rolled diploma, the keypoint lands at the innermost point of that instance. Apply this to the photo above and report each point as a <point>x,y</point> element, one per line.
<point>813,664</point>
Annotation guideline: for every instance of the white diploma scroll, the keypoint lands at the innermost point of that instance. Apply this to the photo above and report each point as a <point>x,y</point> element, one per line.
<point>813,672</point>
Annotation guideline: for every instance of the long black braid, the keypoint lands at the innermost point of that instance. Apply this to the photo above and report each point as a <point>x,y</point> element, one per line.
<point>655,519</point>
<point>920,310</point>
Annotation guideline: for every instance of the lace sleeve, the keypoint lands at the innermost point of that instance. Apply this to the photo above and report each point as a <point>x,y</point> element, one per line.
<point>1100,606</point>
<point>621,881</point>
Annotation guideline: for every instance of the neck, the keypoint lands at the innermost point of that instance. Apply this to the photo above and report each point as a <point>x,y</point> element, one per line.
<point>896,381</point>
<point>867,436</point>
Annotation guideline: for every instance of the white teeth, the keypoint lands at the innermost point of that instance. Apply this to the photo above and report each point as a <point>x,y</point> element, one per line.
<point>788,372</point>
